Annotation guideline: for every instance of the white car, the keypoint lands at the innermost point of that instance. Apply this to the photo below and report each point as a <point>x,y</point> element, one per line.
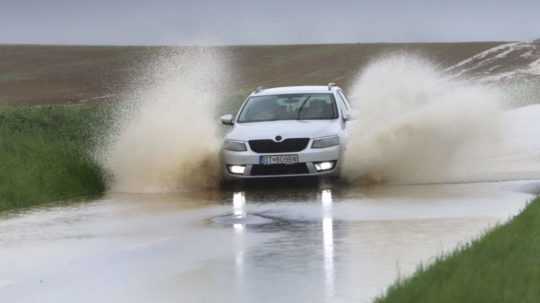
<point>287,132</point>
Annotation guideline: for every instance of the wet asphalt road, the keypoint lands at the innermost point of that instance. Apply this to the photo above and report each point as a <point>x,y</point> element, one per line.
<point>308,244</point>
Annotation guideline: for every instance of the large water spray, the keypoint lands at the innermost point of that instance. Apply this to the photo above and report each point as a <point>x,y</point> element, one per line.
<point>412,123</point>
<point>165,134</point>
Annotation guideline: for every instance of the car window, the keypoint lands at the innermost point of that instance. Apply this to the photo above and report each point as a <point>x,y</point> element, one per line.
<point>289,107</point>
<point>345,100</point>
<point>342,104</point>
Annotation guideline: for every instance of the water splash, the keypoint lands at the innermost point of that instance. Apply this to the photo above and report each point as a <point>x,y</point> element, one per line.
<point>165,134</point>
<point>413,123</point>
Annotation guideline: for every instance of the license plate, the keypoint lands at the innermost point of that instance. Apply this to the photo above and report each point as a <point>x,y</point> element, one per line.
<point>278,159</point>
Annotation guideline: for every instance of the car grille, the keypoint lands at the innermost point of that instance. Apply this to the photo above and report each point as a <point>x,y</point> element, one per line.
<point>279,169</point>
<point>285,146</point>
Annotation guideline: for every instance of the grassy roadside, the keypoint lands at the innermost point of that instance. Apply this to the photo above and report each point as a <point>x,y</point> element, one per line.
<point>502,266</point>
<point>44,154</point>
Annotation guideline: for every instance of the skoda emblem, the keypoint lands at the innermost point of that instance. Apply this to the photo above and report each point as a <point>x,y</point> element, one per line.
<point>278,138</point>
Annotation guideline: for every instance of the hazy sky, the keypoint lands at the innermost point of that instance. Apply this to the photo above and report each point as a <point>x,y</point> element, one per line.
<point>261,22</point>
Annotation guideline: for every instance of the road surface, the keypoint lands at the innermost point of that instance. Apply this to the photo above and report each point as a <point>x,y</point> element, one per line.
<point>310,244</point>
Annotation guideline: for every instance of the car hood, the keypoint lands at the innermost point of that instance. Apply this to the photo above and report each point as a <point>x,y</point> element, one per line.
<point>285,129</point>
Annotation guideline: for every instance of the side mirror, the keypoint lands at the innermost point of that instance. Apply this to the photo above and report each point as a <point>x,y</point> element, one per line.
<point>346,116</point>
<point>227,119</point>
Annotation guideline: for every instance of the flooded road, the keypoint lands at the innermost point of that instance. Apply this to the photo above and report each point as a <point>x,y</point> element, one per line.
<point>314,244</point>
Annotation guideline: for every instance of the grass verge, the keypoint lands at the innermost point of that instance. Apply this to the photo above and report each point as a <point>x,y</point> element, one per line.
<point>502,266</point>
<point>44,154</point>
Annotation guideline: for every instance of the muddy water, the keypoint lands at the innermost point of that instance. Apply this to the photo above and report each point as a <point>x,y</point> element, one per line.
<point>315,244</point>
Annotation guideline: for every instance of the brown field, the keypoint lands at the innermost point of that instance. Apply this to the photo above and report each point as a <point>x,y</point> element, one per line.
<point>36,74</point>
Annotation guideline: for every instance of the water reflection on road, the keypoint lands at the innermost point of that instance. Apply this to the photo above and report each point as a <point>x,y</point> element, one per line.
<point>328,241</point>
<point>314,244</point>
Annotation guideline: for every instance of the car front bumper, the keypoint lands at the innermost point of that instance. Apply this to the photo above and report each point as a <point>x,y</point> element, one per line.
<point>307,157</point>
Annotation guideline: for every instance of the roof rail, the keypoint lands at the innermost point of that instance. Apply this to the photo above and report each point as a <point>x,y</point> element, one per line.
<point>330,85</point>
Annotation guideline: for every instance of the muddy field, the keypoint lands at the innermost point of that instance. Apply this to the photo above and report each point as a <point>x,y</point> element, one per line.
<point>34,74</point>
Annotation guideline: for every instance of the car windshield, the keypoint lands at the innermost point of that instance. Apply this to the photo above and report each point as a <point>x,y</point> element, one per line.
<point>289,107</point>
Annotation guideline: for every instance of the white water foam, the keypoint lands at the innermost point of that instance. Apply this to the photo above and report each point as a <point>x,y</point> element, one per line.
<point>165,135</point>
<point>413,123</point>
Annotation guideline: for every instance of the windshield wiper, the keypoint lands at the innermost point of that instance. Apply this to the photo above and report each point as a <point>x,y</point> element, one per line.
<point>301,108</point>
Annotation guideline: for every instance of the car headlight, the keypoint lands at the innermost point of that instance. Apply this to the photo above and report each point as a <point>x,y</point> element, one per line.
<point>325,142</point>
<point>233,145</point>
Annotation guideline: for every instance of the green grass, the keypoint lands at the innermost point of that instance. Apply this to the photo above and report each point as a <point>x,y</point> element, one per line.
<point>502,266</point>
<point>45,154</point>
